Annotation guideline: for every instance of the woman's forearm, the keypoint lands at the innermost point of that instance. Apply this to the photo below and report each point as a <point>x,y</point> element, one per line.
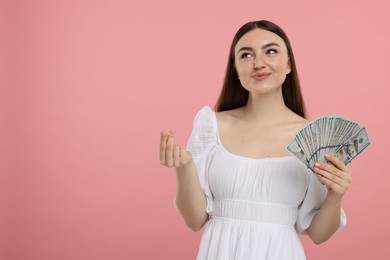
<point>326,221</point>
<point>337,178</point>
<point>190,199</point>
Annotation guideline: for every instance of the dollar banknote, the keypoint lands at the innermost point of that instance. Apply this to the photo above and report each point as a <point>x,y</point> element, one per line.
<point>353,146</point>
<point>332,134</point>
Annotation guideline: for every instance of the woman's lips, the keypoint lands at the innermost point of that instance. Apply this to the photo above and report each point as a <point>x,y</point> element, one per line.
<point>261,76</point>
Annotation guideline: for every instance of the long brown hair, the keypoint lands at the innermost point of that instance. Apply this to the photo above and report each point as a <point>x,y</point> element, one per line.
<point>234,95</point>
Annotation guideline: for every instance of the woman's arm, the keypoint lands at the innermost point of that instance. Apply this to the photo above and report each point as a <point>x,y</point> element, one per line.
<point>190,199</point>
<point>337,178</point>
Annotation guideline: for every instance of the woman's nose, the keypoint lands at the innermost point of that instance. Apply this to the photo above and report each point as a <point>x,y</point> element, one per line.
<point>258,63</point>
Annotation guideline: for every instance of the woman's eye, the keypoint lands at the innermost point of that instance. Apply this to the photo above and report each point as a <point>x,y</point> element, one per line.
<point>246,55</point>
<point>271,51</point>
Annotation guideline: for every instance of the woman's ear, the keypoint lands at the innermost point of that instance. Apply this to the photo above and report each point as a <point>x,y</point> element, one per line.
<point>288,67</point>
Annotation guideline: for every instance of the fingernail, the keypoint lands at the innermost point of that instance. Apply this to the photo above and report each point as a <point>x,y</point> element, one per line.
<point>163,133</point>
<point>317,164</point>
<point>172,131</point>
<point>327,155</point>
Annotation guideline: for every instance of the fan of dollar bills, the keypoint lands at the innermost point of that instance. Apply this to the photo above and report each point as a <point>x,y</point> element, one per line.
<point>330,134</point>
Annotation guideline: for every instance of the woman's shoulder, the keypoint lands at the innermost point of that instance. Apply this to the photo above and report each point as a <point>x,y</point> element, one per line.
<point>204,130</point>
<point>205,113</point>
<point>231,115</point>
<point>296,122</point>
<point>205,119</point>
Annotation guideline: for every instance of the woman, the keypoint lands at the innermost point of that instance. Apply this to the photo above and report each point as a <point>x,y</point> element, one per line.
<point>237,178</point>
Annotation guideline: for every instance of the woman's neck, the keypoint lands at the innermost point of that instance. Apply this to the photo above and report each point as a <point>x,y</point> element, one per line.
<point>266,108</point>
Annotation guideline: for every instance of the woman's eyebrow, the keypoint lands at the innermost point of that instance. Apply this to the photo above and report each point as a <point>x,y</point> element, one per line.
<point>265,46</point>
<point>245,49</point>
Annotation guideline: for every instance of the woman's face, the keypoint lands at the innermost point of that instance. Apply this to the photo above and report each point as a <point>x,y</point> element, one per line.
<point>261,61</point>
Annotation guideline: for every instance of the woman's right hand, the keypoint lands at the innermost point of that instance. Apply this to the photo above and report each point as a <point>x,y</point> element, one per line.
<point>172,155</point>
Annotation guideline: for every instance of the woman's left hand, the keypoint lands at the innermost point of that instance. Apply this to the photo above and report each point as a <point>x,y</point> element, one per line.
<point>336,176</point>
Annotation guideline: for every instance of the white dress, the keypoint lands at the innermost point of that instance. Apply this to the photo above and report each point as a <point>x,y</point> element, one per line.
<point>257,207</point>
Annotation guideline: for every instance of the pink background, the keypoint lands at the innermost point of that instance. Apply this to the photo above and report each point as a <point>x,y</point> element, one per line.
<point>87,86</point>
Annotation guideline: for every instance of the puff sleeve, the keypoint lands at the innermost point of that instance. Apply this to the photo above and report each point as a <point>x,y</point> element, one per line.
<point>201,142</point>
<point>314,198</point>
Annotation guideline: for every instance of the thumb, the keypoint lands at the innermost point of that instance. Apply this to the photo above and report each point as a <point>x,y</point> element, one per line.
<point>184,154</point>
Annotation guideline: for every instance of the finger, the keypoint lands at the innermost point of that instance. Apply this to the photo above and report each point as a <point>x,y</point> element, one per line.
<point>331,184</point>
<point>336,162</point>
<point>184,154</point>
<point>329,168</point>
<point>334,169</point>
<point>169,149</point>
<point>336,181</point>
<point>163,144</point>
<point>176,156</point>
<point>327,172</point>
<point>338,168</point>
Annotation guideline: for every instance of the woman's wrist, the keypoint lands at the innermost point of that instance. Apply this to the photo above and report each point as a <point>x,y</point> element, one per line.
<point>185,166</point>
<point>334,198</point>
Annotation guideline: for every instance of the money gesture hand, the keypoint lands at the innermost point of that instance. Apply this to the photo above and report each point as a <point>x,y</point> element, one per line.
<point>335,175</point>
<point>172,155</point>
